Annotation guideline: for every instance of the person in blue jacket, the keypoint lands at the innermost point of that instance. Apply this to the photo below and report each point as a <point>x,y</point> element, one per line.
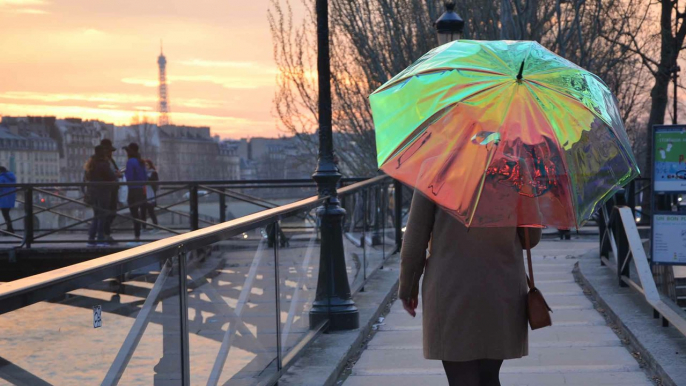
<point>8,196</point>
<point>135,172</point>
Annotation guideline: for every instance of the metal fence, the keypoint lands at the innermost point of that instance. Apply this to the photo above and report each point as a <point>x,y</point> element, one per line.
<point>620,246</point>
<point>227,304</point>
<point>57,213</point>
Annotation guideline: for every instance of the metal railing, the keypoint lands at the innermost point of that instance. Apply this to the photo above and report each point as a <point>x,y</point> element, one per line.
<point>220,305</point>
<point>619,236</point>
<point>634,194</point>
<point>177,205</point>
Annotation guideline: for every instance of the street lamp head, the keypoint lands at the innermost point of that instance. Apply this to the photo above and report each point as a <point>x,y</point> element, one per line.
<point>449,26</point>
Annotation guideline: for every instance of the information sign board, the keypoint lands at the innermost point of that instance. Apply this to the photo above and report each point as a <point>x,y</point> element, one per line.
<point>669,158</point>
<point>669,238</point>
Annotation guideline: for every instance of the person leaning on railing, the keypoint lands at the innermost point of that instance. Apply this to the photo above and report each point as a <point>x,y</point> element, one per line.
<point>98,170</point>
<point>150,194</point>
<point>8,196</point>
<point>114,201</point>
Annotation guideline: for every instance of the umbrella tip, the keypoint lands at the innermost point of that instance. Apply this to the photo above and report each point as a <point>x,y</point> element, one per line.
<point>521,69</point>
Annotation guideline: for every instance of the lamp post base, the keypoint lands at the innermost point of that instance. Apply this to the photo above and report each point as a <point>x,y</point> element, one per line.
<point>343,316</point>
<point>334,299</point>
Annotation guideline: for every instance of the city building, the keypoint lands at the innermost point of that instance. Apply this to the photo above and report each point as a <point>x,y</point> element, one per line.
<point>188,153</point>
<point>145,134</point>
<point>279,158</point>
<point>27,150</point>
<point>180,153</point>
<point>76,140</point>
<point>229,160</point>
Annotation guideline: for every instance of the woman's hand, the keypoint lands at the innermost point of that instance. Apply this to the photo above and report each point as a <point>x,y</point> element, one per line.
<point>410,305</point>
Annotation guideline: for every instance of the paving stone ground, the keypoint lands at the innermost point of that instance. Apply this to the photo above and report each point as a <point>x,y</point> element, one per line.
<point>578,350</point>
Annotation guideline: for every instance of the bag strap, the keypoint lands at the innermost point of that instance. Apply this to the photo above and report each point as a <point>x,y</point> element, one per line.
<point>530,277</point>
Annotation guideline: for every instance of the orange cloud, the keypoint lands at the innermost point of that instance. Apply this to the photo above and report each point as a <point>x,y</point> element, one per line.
<point>98,60</point>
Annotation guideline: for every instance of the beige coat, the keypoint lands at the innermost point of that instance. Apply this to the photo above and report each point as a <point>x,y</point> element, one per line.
<point>474,288</point>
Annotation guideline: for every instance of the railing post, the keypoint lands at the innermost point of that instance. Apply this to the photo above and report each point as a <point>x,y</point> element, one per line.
<point>603,224</point>
<point>172,366</point>
<point>398,208</point>
<point>28,216</point>
<point>194,207</point>
<point>623,266</point>
<point>277,295</point>
<point>376,235</point>
<point>183,314</point>
<point>631,200</point>
<point>222,206</point>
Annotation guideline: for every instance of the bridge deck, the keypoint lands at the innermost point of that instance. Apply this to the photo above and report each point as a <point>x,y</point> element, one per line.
<point>579,349</point>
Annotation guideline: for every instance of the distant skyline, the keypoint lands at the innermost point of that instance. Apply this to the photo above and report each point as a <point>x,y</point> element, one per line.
<point>98,60</point>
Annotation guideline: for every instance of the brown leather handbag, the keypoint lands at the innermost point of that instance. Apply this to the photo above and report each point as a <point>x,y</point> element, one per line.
<point>537,309</point>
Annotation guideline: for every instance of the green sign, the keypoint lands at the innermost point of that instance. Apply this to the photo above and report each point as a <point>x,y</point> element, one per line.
<point>669,156</point>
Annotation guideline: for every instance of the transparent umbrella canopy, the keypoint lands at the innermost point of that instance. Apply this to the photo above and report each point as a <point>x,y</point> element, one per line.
<point>503,133</point>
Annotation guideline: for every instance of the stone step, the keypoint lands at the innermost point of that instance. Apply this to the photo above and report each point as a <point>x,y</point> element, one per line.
<point>560,317</point>
<point>556,299</point>
<point>397,307</point>
<point>541,361</point>
<point>555,336</point>
<point>553,275</point>
<point>634,378</point>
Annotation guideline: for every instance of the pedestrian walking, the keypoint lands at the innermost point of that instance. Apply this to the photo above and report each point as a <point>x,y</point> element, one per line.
<point>474,291</point>
<point>8,197</point>
<point>135,172</point>
<point>150,194</point>
<point>98,169</point>
<point>510,138</point>
<point>113,204</point>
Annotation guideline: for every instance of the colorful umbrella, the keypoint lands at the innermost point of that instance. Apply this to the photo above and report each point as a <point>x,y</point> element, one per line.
<point>503,133</point>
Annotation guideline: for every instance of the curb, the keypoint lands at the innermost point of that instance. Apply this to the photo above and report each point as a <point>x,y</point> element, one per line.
<point>323,362</point>
<point>647,361</point>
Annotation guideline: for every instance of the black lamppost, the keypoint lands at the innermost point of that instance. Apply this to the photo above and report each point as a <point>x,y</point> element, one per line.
<point>333,300</point>
<point>449,26</point>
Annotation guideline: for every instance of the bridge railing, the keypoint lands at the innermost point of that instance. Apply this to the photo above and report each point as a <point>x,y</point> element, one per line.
<point>620,246</point>
<point>56,213</point>
<point>226,304</point>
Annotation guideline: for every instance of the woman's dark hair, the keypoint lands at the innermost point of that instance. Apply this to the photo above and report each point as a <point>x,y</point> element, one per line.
<point>132,151</point>
<point>3,169</point>
<point>149,164</point>
<point>99,154</point>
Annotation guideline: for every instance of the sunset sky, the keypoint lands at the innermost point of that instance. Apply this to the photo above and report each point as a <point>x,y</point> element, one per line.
<point>98,60</point>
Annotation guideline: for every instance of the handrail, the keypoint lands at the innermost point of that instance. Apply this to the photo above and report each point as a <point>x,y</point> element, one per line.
<point>23,292</point>
<point>630,247</point>
<point>224,189</point>
<point>256,183</point>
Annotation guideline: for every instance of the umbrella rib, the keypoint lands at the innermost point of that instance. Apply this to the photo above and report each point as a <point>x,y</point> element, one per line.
<point>488,162</point>
<point>492,154</point>
<point>431,120</point>
<point>559,145</point>
<point>608,124</point>
<point>433,71</point>
<point>572,98</point>
<point>496,57</point>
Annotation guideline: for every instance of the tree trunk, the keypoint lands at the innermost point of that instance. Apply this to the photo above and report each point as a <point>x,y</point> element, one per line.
<point>659,93</point>
<point>658,108</point>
